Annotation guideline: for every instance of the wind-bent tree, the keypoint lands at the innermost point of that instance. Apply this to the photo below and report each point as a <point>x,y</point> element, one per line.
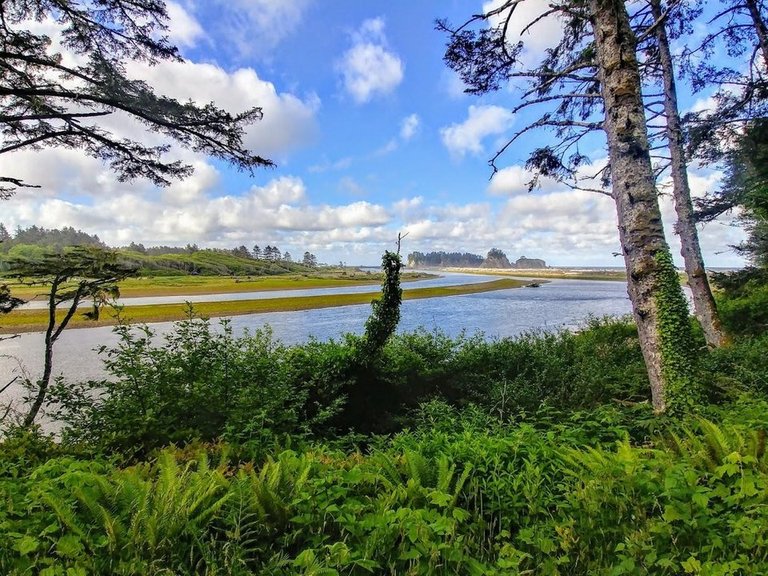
<point>661,54</point>
<point>70,278</point>
<point>593,78</point>
<point>45,101</point>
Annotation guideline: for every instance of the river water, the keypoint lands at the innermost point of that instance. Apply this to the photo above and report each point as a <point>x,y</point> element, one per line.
<point>446,279</point>
<point>559,304</point>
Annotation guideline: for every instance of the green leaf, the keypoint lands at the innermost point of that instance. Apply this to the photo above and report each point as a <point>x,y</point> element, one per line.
<point>26,545</point>
<point>69,546</point>
<point>440,499</point>
<point>691,566</point>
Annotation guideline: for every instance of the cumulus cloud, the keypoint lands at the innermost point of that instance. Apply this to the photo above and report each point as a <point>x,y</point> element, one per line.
<point>716,238</point>
<point>369,69</point>
<point>545,33</point>
<point>189,212</point>
<point>514,180</point>
<point>482,121</point>
<point>289,121</point>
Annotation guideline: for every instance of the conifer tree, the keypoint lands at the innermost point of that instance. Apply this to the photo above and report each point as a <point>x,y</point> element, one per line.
<point>47,102</point>
<point>592,80</point>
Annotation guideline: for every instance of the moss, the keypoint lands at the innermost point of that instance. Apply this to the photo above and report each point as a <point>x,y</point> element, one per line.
<point>678,349</point>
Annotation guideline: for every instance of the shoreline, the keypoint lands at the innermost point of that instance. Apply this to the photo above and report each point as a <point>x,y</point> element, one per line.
<point>21,321</point>
<point>545,273</point>
<point>204,285</point>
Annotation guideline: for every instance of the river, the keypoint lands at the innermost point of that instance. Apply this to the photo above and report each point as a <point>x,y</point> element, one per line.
<point>558,304</point>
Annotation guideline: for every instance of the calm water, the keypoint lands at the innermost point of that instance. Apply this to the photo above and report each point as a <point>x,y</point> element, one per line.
<point>446,280</point>
<point>560,304</point>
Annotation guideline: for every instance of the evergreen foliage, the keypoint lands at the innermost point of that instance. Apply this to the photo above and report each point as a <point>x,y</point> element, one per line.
<point>70,277</point>
<point>444,259</point>
<point>70,101</point>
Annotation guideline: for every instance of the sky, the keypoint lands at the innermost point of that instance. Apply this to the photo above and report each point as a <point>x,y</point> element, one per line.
<point>371,133</point>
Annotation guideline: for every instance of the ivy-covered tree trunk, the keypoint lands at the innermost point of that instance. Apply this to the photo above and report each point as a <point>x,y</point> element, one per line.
<point>658,303</point>
<point>703,301</point>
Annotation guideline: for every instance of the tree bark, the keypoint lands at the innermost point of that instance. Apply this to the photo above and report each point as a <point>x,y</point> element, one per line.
<point>652,283</point>
<point>703,301</point>
<point>760,28</point>
<point>52,334</point>
<point>42,386</point>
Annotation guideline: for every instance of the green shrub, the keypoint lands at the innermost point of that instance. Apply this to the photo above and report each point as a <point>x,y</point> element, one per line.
<point>200,384</point>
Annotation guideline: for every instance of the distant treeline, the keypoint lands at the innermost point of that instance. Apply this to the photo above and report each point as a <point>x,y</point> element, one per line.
<point>494,259</point>
<point>56,239</point>
<point>445,259</point>
<point>34,241</point>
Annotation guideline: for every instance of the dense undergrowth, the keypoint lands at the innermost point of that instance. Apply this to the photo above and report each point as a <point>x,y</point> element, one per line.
<point>207,453</point>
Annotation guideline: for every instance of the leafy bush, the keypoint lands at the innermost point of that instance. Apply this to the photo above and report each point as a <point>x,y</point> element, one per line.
<point>201,384</point>
<point>746,312</point>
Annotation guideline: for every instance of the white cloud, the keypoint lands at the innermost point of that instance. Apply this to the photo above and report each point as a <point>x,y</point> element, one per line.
<point>279,210</point>
<point>546,33</point>
<point>481,122</point>
<point>288,122</point>
<point>192,188</point>
<point>716,237</point>
<point>256,27</point>
<point>369,68</point>
<point>409,126</point>
<point>514,180</point>
<point>183,28</point>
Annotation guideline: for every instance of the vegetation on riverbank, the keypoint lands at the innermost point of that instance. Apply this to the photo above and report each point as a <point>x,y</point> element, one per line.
<point>194,285</point>
<point>551,273</point>
<point>210,453</point>
<point>35,320</point>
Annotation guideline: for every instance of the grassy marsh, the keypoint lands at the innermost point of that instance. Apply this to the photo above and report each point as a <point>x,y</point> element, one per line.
<point>35,320</point>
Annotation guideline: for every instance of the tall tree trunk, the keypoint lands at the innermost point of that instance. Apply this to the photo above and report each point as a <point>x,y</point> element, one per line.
<point>658,304</point>
<point>760,28</point>
<point>703,301</point>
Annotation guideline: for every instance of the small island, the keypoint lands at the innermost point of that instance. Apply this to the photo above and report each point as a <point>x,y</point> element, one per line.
<point>495,259</point>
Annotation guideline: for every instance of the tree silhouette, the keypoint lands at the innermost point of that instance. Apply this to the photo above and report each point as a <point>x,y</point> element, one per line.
<point>47,102</point>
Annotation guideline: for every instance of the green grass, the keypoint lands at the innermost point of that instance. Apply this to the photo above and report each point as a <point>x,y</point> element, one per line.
<point>35,320</point>
<point>194,285</point>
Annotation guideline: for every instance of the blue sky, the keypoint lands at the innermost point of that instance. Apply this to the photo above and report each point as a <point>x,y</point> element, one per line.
<point>371,133</point>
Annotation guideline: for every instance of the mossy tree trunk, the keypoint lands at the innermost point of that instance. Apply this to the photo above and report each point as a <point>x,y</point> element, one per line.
<point>658,303</point>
